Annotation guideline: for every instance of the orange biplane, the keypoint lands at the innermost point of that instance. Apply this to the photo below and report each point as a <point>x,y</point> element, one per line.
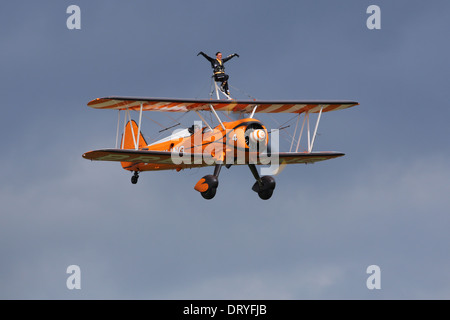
<point>241,142</point>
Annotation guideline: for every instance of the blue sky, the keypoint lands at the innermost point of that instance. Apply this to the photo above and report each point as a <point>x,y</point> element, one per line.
<point>385,203</point>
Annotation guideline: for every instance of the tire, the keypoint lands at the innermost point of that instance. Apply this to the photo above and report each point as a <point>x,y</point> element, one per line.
<point>266,194</point>
<point>209,194</point>
<point>213,183</point>
<point>266,190</point>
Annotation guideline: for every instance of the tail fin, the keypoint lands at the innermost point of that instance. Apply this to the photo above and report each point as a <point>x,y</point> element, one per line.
<point>131,136</point>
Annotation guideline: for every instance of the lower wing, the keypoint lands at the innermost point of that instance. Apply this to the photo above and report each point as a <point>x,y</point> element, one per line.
<point>176,160</point>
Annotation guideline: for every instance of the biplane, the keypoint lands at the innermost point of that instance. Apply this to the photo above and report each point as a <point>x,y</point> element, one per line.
<point>244,141</point>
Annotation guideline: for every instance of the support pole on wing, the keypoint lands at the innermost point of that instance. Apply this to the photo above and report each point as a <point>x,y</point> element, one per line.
<point>253,112</point>
<point>117,133</point>
<point>301,133</point>
<point>139,128</point>
<point>295,132</point>
<point>124,127</point>
<point>216,88</point>
<point>310,141</point>
<point>309,133</point>
<point>315,129</point>
<point>217,117</point>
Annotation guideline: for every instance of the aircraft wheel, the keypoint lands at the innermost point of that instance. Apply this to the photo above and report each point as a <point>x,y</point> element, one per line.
<point>209,194</point>
<point>266,190</point>
<point>266,194</point>
<point>134,178</point>
<point>207,186</point>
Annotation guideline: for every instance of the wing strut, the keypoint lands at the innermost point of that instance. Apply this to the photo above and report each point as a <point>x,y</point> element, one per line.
<point>295,132</point>
<point>220,121</point>
<point>315,130</point>
<point>136,143</point>
<point>310,141</point>
<point>216,88</point>
<point>124,126</point>
<point>253,112</point>
<point>117,133</point>
<point>135,136</point>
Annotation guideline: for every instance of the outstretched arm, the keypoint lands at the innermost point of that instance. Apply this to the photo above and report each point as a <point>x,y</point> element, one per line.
<point>230,56</point>
<point>206,56</point>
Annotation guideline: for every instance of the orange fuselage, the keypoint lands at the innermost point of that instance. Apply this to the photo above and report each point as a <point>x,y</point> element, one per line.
<point>223,145</point>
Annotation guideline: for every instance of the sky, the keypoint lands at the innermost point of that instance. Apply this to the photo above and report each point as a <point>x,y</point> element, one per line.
<point>385,203</point>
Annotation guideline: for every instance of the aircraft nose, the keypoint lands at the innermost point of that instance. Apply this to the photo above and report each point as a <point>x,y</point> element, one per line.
<point>257,135</point>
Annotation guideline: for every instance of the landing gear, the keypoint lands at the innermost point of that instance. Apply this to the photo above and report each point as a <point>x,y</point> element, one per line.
<point>212,182</point>
<point>207,185</point>
<point>135,177</point>
<point>264,186</point>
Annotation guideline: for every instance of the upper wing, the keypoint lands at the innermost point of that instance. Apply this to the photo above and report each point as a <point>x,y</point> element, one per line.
<point>183,105</point>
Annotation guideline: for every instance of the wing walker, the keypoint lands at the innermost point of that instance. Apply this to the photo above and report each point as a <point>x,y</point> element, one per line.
<point>236,142</point>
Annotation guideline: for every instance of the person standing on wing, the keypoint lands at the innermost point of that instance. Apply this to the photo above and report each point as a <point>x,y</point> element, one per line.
<point>219,68</point>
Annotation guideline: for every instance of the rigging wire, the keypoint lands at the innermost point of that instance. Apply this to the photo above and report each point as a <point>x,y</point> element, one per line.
<point>177,122</point>
<point>286,135</point>
<point>244,93</point>
<point>225,114</point>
